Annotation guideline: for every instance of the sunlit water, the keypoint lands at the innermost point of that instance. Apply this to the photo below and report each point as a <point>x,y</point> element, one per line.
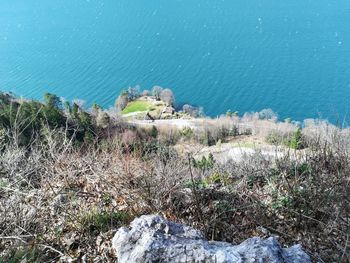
<point>246,55</point>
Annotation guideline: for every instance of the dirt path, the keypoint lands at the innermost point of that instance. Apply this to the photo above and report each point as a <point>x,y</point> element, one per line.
<point>176,123</point>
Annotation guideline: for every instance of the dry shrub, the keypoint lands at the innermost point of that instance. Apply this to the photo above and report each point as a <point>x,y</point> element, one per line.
<point>168,134</point>
<point>210,131</point>
<point>66,201</point>
<point>48,193</point>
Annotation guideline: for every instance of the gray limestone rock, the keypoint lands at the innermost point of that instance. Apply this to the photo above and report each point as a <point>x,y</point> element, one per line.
<point>152,238</point>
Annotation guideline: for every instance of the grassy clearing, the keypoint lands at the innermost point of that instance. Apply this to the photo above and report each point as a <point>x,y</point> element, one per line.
<point>137,106</point>
<point>143,105</point>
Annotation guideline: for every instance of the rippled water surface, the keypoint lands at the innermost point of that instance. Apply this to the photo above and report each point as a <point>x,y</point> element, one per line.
<point>292,56</point>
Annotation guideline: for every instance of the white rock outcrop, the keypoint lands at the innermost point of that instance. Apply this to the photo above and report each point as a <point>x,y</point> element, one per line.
<point>152,238</point>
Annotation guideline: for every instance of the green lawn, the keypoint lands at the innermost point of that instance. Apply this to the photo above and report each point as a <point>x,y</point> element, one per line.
<point>138,105</point>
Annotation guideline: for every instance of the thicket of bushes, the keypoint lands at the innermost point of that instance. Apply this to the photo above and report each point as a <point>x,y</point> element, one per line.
<point>62,196</point>
<point>293,140</point>
<point>26,120</point>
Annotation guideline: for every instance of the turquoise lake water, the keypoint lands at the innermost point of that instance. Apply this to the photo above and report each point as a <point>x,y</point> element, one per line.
<point>292,56</point>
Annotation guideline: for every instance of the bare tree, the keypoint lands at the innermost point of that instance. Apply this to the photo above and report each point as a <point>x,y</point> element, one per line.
<point>167,96</point>
<point>156,91</point>
<point>267,114</point>
<point>145,93</point>
<point>192,111</point>
<point>133,93</point>
<point>103,119</point>
<point>122,101</point>
<point>79,102</point>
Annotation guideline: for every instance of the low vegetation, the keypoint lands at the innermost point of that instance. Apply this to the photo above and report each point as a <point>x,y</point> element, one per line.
<point>70,177</point>
<point>137,106</point>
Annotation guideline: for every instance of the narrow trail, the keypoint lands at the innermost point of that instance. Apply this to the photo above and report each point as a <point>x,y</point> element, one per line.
<point>176,123</point>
